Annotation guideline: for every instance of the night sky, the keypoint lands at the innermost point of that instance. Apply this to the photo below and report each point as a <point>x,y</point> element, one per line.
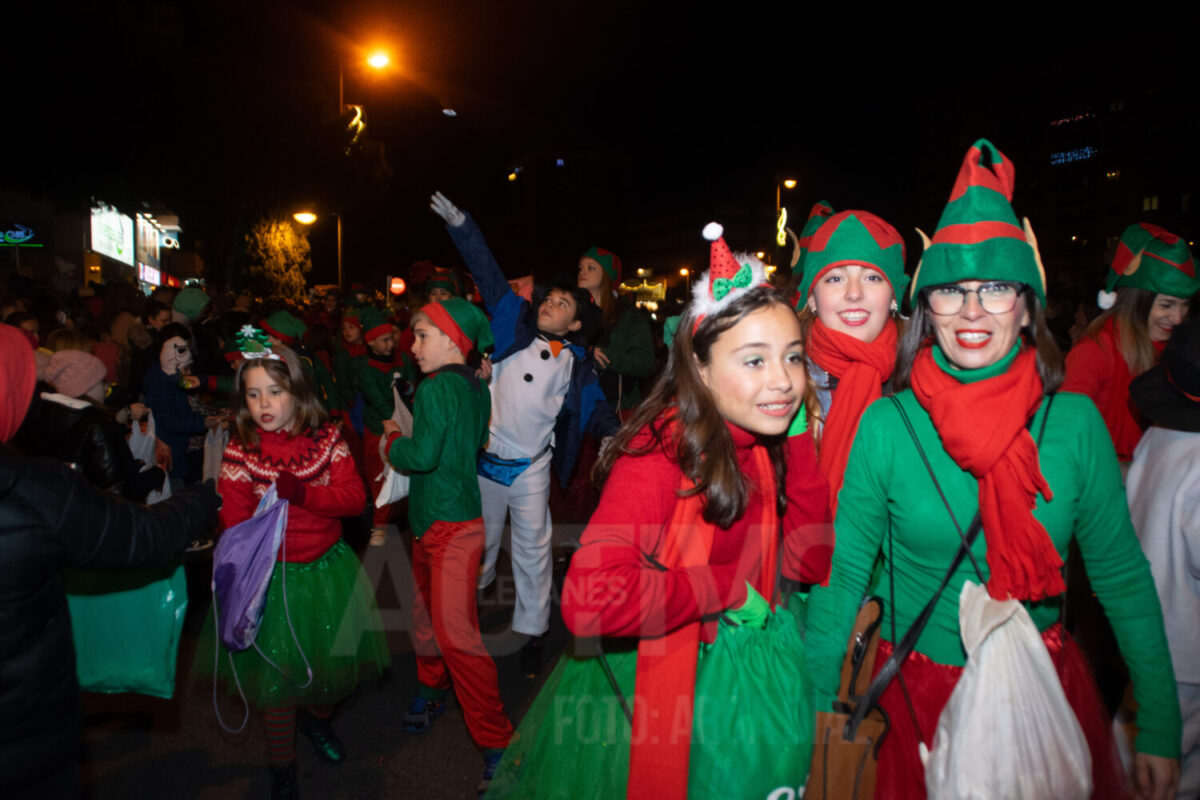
<point>224,111</point>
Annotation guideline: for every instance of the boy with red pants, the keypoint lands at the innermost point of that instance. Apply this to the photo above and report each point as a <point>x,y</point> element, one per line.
<point>450,427</point>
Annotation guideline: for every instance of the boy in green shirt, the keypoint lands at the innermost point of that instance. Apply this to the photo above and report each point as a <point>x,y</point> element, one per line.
<point>450,427</point>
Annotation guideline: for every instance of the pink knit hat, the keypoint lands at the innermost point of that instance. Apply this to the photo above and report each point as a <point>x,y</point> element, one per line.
<point>73,372</point>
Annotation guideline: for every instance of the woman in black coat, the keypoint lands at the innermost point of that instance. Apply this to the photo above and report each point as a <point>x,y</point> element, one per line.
<point>51,518</point>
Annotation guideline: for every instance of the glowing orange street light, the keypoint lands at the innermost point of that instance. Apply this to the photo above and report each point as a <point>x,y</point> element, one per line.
<point>378,59</point>
<point>305,217</point>
<point>397,286</point>
<point>790,183</point>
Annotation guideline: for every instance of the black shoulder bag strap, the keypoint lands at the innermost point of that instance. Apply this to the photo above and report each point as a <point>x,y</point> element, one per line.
<point>891,667</point>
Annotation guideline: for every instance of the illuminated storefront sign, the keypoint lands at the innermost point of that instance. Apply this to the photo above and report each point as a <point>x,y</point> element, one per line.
<point>18,235</point>
<point>149,274</point>
<point>112,234</point>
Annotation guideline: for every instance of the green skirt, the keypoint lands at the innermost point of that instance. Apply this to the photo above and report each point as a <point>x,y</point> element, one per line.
<point>752,727</point>
<point>337,625</point>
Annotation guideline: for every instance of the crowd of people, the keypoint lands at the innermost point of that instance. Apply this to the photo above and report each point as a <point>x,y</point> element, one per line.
<point>802,445</point>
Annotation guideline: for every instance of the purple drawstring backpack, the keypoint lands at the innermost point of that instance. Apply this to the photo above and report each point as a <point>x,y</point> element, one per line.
<point>243,563</point>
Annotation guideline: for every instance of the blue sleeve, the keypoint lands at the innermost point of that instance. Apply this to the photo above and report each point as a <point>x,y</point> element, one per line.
<point>172,413</point>
<point>504,306</point>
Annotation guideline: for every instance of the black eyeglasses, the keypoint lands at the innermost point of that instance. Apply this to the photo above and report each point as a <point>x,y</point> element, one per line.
<point>995,297</point>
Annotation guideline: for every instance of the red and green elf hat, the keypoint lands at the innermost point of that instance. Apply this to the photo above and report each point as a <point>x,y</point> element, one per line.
<point>465,324</point>
<point>1151,257</point>
<point>728,274</point>
<point>821,211</point>
<point>284,327</point>
<point>608,260</point>
<point>373,323</point>
<point>855,238</point>
<point>978,236</point>
<point>352,314</point>
<point>444,279</point>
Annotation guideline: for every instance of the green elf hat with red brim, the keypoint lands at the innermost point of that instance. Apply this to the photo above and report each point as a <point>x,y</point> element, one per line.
<point>373,323</point>
<point>444,279</point>
<point>1152,258</point>
<point>609,261</point>
<point>352,314</point>
<point>855,238</point>
<point>979,237</point>
<point>465,324</point>
<point>284,327</point>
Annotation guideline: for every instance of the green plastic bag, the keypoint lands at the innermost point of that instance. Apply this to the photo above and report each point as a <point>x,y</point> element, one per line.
<point>751,734</point>
<point>126,627</point>
<point>752,729</point>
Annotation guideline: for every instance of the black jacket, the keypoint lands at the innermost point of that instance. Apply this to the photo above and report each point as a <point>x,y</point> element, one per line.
<point>50,518</point>
<point>91,440</point>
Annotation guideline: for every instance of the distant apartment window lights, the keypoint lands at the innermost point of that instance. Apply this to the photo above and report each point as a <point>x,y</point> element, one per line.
<point>1113,175</point>
<point>1150,203</point>
<point>1070,156</point>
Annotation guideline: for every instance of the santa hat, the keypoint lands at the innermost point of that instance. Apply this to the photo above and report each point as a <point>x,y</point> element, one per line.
<point>285,327</point>
<point>854,238</point>
<point>728,275</point>
<point>609,261</point>
<point>1152,258</point>
<point>465,324</point>
<point>373,323</point>
<point>978,236</point>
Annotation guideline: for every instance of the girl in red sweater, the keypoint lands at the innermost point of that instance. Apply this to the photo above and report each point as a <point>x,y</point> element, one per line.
<point>284,436</point>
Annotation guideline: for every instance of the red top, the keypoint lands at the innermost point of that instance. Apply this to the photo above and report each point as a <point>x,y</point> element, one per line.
<point>1095,367</point>
<point>322,461</point>
<point>614,589</point>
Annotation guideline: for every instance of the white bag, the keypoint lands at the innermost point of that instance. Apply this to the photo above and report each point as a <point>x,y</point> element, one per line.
<point>214,450</point>
<point>395,484</point>
<point>142,445</point>
<point>1007,732</point>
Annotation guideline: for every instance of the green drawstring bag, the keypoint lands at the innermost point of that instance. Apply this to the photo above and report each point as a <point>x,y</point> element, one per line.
<point>126,627</point>
<point>752,728</point>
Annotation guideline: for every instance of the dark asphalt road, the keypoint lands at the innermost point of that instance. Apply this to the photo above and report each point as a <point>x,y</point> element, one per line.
<point>138,747</point>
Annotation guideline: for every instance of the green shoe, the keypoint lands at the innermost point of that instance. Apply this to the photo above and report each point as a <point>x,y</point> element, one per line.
<point>320,732</point>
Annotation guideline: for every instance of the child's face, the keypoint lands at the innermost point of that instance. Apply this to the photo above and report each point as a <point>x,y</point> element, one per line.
<point>383,346</point>
<point>433,349</point>
<point>557,313</point>
<point>439,294</point>
<point>755,371</point>
<point>272,407</point>
<point>351,330</point>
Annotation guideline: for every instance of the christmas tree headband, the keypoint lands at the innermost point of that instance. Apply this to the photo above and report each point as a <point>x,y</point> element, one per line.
<point>252,342</point>
<point>728,275</point>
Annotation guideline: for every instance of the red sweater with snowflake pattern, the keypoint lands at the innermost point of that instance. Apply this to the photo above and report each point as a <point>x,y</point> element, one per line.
<point>321,460</point>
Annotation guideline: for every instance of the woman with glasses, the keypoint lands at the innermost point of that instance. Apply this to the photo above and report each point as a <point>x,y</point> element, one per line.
<point>853,272</point>
<point>976,377</point>
<point>1153,275</point>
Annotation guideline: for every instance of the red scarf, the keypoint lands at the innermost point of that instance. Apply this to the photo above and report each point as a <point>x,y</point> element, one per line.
<point>861,368</point>
<point>982,427</point>
<point>666,665</point>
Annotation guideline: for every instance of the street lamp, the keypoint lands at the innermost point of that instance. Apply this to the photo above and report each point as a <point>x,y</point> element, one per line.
<point>378,59</point>
<point>780,214</point>
<point>308,218</point>
<point>687,274</point>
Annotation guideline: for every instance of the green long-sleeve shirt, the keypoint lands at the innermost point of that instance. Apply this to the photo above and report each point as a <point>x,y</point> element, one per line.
<point>886,485</point>
<point>629,347</point>
<point>450,427</point>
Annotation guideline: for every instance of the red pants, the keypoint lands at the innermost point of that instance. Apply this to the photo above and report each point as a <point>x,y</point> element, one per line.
<point>446,628</point>
<point>899,773</point>
<point>374,467</point>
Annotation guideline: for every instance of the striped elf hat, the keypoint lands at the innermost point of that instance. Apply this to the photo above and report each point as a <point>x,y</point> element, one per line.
<point>855,238</point>
<point>1151,257</point>
<point>609,261</point>
<point>728,274</point>
<point>978,236</point>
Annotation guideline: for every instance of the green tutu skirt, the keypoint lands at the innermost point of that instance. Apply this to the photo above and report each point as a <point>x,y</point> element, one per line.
<point>337,625</point>
<point>752,727</point>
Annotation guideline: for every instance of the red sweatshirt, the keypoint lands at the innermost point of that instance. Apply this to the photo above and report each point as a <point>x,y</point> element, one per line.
<point>1095,367</point>
<point>321,461</point>
<point>614,589</point>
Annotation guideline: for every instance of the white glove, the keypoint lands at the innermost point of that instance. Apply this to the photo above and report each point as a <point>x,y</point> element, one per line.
<point>446,210</point>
